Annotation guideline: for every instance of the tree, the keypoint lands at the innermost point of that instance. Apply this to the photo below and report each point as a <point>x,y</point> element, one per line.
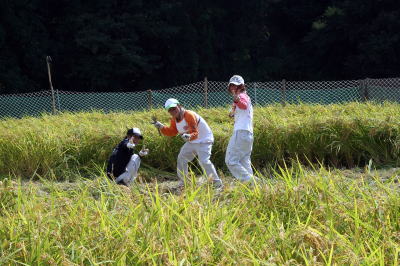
<point>23,42</point>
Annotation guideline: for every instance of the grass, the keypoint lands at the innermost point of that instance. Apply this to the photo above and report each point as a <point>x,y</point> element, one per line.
<point>338,135</point>
<point>299,216</point>
<point>57,206</point>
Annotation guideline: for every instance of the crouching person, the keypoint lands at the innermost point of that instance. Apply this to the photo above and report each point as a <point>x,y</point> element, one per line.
<point>123,164</point>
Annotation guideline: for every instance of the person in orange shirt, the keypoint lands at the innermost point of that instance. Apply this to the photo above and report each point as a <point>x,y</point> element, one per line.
<point>198,136</point>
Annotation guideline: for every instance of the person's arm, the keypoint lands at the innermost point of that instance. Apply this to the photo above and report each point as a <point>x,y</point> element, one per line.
<point>171,130</point>
<point>192,125</point>
<point>232,112</point>
<point>242,101</point>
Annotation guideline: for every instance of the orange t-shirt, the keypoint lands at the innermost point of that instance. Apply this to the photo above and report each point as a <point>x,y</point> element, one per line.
<point>191,126</point>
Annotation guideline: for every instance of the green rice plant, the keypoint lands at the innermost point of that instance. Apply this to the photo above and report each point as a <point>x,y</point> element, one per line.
<point>340,135</point>
<point>296,216</point>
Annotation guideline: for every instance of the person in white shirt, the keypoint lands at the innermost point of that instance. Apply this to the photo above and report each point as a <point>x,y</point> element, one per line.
<point>198,136</point>
<point>240,146</point>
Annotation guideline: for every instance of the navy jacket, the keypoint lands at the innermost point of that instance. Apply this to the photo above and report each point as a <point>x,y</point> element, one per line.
<point>119,159</point>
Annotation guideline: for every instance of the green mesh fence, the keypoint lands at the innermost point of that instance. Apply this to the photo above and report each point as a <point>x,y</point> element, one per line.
<point>205,94</point>
<point>68,101</point>
<point>30,104</point>
<point>324,96</point>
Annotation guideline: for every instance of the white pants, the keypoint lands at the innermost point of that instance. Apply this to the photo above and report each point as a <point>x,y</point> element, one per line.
<point>237,156</point>
<point>131,171</point>
<point>187,154</point>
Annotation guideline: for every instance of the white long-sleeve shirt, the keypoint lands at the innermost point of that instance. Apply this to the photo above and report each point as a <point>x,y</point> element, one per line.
<point>243,113</point>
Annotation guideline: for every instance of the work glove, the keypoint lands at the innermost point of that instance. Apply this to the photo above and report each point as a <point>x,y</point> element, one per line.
<point>130,144</point>
<point>185,136</point>
<point>158,125</point>
<point>143,152</point>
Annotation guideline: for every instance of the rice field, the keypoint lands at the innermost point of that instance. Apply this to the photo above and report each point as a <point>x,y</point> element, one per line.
<point>345,135</point>
<point>327,191</point>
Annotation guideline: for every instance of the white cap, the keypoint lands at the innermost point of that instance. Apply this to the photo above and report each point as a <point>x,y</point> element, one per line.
<point>134,131</point>
<point>237,80</point>
<point>171,103</point>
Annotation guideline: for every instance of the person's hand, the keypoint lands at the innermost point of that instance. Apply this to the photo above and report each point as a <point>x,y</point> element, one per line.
<point>143,152</point>
<point>158,125</point>
<point>232,112</point>
<point>130,145</point>
<point>236,98</point>
<point>185,136</point>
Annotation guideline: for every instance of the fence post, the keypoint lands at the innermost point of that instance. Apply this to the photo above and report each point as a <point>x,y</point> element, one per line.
<point>150,99</point>
<point>361,89</point>
<point>366,92</point>
<point>58,101</point>
<point>283,101</point>
<point>53,99</point>
<point>255,92</point>
<point>205,92</point>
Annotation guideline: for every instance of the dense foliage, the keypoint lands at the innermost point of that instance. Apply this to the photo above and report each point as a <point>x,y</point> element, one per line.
<point>136,45</point>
